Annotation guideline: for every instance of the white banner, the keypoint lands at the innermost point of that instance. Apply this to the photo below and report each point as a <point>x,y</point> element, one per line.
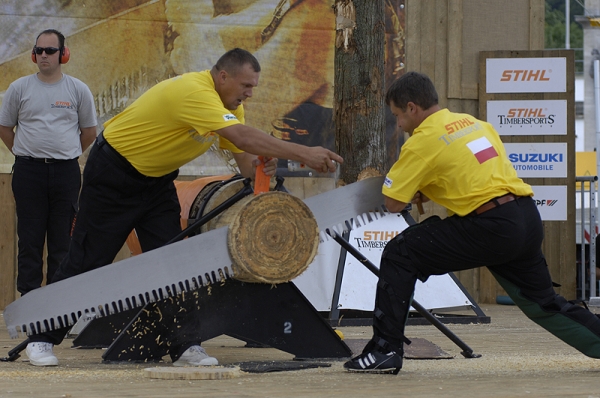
<point>538,160</point>
<point>551,201</point>
<point>359,284</point>
<point>526,75</point>
<point>537,117</point>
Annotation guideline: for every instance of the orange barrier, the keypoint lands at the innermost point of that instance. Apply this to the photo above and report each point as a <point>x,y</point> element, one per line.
<point>187,192</point>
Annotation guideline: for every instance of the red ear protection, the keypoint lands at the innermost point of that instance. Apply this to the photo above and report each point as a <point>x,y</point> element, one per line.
<point>63,57</point>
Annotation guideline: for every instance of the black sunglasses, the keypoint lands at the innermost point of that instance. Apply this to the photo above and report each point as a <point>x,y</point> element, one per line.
<point>49,50</point>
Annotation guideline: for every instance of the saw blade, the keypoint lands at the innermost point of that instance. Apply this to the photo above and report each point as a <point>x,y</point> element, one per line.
<point>354,204</point>
<point>170,270</point>
<point>161,273</point>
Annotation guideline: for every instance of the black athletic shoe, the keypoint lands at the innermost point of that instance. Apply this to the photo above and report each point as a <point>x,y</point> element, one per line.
<point>375,362</point>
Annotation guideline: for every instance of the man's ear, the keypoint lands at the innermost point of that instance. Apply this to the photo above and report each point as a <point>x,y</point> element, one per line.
<point>222,76</point>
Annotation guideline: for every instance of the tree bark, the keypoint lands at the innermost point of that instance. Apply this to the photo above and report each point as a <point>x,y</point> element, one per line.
<point>359,103</point>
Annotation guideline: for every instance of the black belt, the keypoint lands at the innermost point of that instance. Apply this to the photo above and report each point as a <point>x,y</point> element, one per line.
<point>509,197</point>
<point>44,160</point>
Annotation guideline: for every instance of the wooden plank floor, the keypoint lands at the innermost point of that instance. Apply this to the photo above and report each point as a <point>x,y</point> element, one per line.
<point>519,360</point>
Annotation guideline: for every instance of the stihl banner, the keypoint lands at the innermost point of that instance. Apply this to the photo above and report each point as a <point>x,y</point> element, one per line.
<point>526,75</point>
<point>543,117</point>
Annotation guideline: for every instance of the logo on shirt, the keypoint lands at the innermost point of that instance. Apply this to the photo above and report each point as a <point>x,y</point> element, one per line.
<point>229,116</point>
<point>388,182</point>
<point>203,139</point>
<point>62,104</point>
<point>482,149</point>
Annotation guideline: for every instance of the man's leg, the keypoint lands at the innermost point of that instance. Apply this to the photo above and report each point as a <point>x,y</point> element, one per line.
<point>29,185</point>
<point>64,184</point>
<point>160,224</point>
<point>109,205</point>
<point>435,247</point>
<point>528,282</point>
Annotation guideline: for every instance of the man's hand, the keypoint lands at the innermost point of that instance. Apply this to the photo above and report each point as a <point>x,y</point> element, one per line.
<point>418,200</point>
<point>270,166</point>
<point>322,160</point>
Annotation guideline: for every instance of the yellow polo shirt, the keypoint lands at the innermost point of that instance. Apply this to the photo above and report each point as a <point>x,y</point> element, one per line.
<point>455,160</point>
<point>171,124</point>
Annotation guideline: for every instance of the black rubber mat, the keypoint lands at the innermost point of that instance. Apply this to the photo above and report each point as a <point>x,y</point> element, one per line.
<point>279,366</point>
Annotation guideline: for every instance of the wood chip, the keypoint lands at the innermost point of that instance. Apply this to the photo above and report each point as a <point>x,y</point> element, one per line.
<point>193,373</point>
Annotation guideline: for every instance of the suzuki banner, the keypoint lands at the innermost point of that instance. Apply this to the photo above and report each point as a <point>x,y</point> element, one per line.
<point>538,159</point>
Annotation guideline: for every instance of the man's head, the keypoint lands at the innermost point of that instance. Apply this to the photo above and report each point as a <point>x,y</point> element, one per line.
<point>411,98</point>
<point>235,74</point>
<point>49,51</point>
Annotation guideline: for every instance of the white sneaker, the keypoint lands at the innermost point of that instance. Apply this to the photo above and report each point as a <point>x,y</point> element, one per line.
<point>195,356</point>
<point>40,354</point>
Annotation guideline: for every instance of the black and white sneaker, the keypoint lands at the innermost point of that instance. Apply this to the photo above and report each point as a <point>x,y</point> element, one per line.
<point>375,362</point>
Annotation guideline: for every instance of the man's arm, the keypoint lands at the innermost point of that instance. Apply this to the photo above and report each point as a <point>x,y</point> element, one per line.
<point>393,205</point>
<point>256,142</point>
<point>7,134</point>
<point>87,137</point>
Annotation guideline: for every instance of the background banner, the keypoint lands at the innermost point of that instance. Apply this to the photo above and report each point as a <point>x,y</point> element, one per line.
<point>122,48</point>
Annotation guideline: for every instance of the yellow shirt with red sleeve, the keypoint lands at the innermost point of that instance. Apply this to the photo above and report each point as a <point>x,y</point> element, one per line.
<point>171,124</point>
<point>455,160</point>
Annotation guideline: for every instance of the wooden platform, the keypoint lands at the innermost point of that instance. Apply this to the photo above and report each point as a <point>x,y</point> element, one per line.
<point>519,360</point>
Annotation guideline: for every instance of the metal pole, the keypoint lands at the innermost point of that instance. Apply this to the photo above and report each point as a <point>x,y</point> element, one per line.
<point>592,242</point>
<point>567,24</point>
<point>582,242</point>
<point>597,186</point>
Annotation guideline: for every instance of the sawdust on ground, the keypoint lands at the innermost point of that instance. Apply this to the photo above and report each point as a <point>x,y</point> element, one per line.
<point>519,359</point>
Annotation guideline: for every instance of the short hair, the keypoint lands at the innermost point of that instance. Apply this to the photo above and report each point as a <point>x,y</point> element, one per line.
<point>412,87</point>
<point>236,58</point>
<point>61,37</point>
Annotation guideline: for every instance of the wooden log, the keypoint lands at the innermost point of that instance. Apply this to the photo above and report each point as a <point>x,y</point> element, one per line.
<point>273,237</point>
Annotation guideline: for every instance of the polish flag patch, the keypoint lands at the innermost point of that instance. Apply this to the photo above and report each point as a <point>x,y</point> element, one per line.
<point>482,149</point>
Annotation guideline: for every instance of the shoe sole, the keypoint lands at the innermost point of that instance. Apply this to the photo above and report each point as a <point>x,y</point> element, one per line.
<point>393,371</point>
<point>215,363</point>
<point>35,363</point>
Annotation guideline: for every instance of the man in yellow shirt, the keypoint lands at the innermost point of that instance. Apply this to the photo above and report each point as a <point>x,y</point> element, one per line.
<point>128,177</point>
<point>460,163</point>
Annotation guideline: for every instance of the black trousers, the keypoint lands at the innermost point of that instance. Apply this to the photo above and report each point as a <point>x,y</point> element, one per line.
<point>507,240</point>
<point>115,199</point>
<point>46,201</point>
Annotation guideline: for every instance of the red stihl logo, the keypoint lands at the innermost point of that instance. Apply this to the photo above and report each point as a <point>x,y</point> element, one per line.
<point>458,125</point>
<point>525,112</point>
<point>524,75</point>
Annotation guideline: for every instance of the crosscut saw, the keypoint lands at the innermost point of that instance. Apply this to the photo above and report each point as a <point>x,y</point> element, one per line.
<point>175,268</point>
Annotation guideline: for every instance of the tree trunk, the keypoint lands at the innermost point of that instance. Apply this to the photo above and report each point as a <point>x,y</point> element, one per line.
<point>359,103</point>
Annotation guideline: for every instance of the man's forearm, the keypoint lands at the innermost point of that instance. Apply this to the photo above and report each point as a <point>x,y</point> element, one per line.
<point>7,134</point>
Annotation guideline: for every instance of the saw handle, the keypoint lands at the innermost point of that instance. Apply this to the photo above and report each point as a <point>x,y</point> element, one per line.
<point>261,180</point>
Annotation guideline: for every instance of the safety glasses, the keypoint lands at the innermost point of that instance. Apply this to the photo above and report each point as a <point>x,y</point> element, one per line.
<point>48,50</point>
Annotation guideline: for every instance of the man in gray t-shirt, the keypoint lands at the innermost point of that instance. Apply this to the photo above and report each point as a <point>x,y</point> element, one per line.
<point>46,120</point>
